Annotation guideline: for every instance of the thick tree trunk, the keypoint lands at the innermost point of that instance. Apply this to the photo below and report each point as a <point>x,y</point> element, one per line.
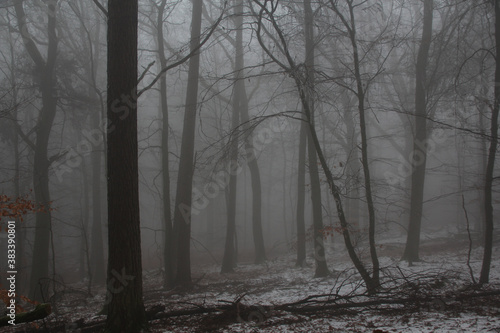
<point>39,281</point>
<point>125,311</point>
<point>319,247</point>
<point>490,166</point>
<point>182,210</point>
<point>419,155</point>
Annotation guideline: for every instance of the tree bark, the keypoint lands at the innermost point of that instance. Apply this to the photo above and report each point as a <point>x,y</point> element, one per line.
<point>419,156</point>
<point>125,311</point>
<point>490,166</point>
<point>182,210</point>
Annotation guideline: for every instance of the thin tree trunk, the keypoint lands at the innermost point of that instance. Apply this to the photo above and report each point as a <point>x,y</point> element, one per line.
<point>419,155</point>
<point>283,189</point>
<point>125,307</point>
<point>229,249</point>
<point>182,210</point>
<point>97,248</point>
<point>301,86</point>
<point>301,195</point>
<point>253,166</point>
<point>483,148</point>
<point>46,68</point>
<point>490,166</point>
<point>319,247</point>
<point>168,260</point>
<point>364,142</point>
<point>352,169</point>
<point>20,231</point>
<point>84,246</point>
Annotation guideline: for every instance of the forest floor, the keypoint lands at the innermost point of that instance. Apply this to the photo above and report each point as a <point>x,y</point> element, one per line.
<point>434,295</point>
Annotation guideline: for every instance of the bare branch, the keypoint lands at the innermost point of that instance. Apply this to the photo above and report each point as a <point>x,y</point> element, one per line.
<point>101,7</point>
<point>188,56</point>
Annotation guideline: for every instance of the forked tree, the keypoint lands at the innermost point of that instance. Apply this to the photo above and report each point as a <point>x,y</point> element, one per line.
<point>46,77</point>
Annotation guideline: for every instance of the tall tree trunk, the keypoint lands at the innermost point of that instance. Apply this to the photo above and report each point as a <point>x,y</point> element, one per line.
<point>419,155</point>
<point>229,248</point>
<point>360,94</point>
<point>84,245</point>
<point>352,169</point>
<point>46,71</point>
<point>319,247</point>
<point>490,166</point>
<point>483,148</point>
<point>21,277</point>
<point>253,165</point>
<point>182,212</point>
<point>125,300</point>
<point>284,182</point>
<point>301,196</point>
<point>168,260</point>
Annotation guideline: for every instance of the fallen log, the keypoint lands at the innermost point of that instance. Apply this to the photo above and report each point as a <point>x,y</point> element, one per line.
<point>41,311</point>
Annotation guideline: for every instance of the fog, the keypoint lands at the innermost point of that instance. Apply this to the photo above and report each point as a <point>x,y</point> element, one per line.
<point>310,144</point>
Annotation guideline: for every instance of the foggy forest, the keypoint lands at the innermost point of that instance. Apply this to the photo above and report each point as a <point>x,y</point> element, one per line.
<point>249,166</point>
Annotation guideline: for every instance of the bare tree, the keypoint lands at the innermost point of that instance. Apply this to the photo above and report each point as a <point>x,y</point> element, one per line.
<point>168,260</point>
<point>267,10</point>
<point>182,210</point>
<point>45,72</point>
<point>309,86</point>
<point>253,166</point>
<point>419,155</point>
<point>349,22</point>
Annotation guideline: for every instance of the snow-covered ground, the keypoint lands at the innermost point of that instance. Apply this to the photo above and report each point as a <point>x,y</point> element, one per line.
<point>264,289</point>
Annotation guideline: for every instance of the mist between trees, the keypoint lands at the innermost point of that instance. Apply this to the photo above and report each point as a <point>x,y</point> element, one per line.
<point>163,134</point>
